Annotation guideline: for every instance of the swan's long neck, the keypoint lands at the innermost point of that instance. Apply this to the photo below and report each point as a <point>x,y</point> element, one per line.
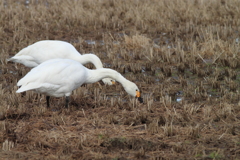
<point>89,58</point>
<point>98,74</point>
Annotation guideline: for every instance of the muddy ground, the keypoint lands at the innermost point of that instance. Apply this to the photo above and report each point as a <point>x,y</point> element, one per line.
<point>183,55</point>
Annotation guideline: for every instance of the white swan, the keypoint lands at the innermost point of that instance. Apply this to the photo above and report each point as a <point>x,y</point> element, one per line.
<point>44,50</point>
<point>59,77</point>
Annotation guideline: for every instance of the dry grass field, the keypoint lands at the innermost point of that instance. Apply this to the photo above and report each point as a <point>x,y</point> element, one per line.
<point>184,55</point>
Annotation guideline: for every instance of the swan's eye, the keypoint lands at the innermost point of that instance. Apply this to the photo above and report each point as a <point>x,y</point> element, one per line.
<point>113,82</point>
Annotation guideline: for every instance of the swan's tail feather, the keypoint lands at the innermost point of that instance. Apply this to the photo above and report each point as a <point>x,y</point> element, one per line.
<point>21,82</point>
<point>18,56</point>
<point>10,59</point>
<point>27,87</point>
<point>13,59</point>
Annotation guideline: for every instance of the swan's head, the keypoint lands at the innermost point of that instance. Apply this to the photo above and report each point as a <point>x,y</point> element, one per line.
<point>108,81</point>
<point>132,89</point>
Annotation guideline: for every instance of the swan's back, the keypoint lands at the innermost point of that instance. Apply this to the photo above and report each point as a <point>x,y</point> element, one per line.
<point>55,77</point>
<point>44,50</point>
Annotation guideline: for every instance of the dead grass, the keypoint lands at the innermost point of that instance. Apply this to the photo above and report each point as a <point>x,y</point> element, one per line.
<point>187,50</point>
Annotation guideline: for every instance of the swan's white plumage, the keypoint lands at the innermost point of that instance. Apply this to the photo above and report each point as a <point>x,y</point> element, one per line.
<point>59,77</point>
<point>41,51</point>
<point>54,78</point>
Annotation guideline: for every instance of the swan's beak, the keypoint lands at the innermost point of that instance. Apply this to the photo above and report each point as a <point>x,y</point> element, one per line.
<point>113,82</point>
<point>138,95</point>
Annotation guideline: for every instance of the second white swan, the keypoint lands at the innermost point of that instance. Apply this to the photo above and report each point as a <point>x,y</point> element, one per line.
<point>59,77</point>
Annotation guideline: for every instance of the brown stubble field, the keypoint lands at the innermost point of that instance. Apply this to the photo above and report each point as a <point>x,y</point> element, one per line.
<point>183,55</point>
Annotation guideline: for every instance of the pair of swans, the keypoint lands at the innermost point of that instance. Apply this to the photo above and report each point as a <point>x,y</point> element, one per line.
<point>58,72</point>
<point>44,50</point>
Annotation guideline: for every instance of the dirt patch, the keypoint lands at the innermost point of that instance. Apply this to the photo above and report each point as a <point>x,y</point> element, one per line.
<point>183,55</point>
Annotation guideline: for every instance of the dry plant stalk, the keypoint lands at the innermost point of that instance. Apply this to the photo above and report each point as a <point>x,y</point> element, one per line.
<point>171,49</point>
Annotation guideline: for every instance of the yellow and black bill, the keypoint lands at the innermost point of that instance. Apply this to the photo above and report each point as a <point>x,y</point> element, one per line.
<point>138,95</point>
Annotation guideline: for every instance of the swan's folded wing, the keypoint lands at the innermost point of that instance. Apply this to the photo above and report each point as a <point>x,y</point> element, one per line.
<point>63,74</point>
<point>41,88</point>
